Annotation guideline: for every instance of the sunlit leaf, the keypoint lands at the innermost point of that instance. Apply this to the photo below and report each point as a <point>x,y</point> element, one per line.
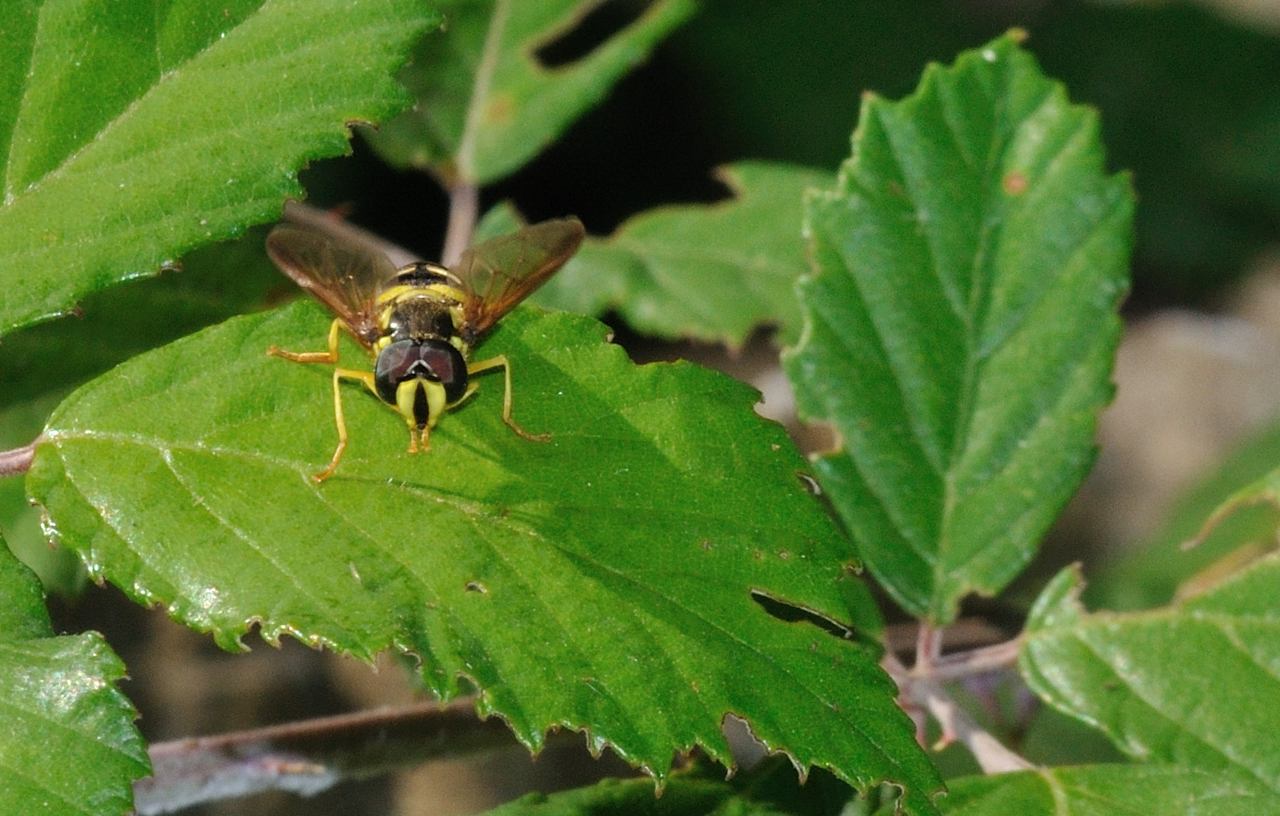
<point>486,101</point>
<point>608,579</point>
<point>136,130</point>
<point>68,744</point>
<point>960,328</point>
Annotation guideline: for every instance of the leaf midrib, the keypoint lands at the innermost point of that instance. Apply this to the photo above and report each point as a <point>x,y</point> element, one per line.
<point>1181,726</point>
<point>489,55</point>
<point>9,195</point>
<point>667,600</point>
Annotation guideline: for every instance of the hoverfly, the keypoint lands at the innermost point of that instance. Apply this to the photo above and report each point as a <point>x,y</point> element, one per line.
<point>420,322</point>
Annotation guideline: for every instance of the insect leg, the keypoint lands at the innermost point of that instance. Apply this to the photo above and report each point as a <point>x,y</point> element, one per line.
<point>340,374</point>
<point>496,362</point>
<point>466,395</point>
<point>330,356</point>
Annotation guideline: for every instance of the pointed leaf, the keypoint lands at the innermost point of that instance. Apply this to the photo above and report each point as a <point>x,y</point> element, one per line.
<point>137,130</point>
<point>68,744</point>
<point>961,324</point>
<point>603,580</point>
<point>486,102</point>
<point>1196,683</point>
<point>710,272</point>
<point>1109,790</point>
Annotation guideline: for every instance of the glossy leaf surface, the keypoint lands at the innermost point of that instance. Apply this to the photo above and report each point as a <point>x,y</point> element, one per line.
<point>602,580</point>
<point>68,744</point>
<point>487,102</point>
<point>961,324</point>
<point>1196,683</point>
<point>136,130</point>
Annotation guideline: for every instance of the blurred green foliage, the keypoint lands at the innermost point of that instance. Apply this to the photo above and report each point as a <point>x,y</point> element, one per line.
<point>1188,99</point>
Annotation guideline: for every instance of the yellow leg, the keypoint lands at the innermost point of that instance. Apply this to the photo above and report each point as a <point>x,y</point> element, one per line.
<point>330,356</point>
<point>466,395</point>
<point>502,362</point>
<point>339,374</point>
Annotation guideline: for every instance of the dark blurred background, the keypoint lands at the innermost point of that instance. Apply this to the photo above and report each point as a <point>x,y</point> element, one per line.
<point>1189,96</point>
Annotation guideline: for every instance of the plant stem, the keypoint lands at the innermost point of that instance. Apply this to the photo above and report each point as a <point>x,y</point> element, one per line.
<point>928,648</point>
<point>310,756</point>
<point>922,687</point>
<point>976,661</point>
<point>18,461</point>
<point>992,756</point>
<point>464,209</point>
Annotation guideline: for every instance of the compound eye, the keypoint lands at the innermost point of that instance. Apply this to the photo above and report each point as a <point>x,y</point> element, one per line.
<point>392,368</point>
<point>447,367</point>
<point>431,360</point>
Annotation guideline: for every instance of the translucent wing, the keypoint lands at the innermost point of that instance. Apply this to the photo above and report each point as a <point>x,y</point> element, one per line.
<point>501,272</point>
<point>344,276</point>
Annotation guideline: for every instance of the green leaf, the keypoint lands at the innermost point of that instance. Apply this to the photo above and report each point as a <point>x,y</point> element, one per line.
<point>770,789</point>
<point>628,797</point>
<point>68,744</point>
<point>486,103</point>
<point>1195,684</point>
<point>961,324</point>
<point>137,131</point>
<point>603,580</point>
<point>710,272</point>
<point>41,364</point>
<point>1109,790</point>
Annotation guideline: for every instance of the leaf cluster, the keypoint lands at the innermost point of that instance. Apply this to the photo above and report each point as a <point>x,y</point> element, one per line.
<point>948,300</point>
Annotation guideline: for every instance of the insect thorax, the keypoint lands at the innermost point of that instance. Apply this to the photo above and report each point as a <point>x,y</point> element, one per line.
<point>422,301</point>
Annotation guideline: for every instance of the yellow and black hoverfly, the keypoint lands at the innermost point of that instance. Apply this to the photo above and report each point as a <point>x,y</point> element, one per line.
<point>420,322</point>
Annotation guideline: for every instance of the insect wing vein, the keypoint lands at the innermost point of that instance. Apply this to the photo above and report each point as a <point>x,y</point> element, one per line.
<point>343,276</point>
<point>498,274</point>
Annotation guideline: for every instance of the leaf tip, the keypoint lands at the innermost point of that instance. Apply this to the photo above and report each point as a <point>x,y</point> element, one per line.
<point>1059,602</point>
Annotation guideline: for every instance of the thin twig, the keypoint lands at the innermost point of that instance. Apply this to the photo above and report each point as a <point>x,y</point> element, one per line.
<point>965,633</point>
<point>18,461</point>
<point>327,222</point>
<point>992,756</point>
<point>464,194</point>
<point>464,209</point>
<point>312,755</point>
<point>928,648</point>
<point>924,690</point>
<point>976,661</point>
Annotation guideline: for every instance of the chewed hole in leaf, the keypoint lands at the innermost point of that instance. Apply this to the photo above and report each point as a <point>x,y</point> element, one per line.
<point>791,613</point>
<point>590,31</point>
